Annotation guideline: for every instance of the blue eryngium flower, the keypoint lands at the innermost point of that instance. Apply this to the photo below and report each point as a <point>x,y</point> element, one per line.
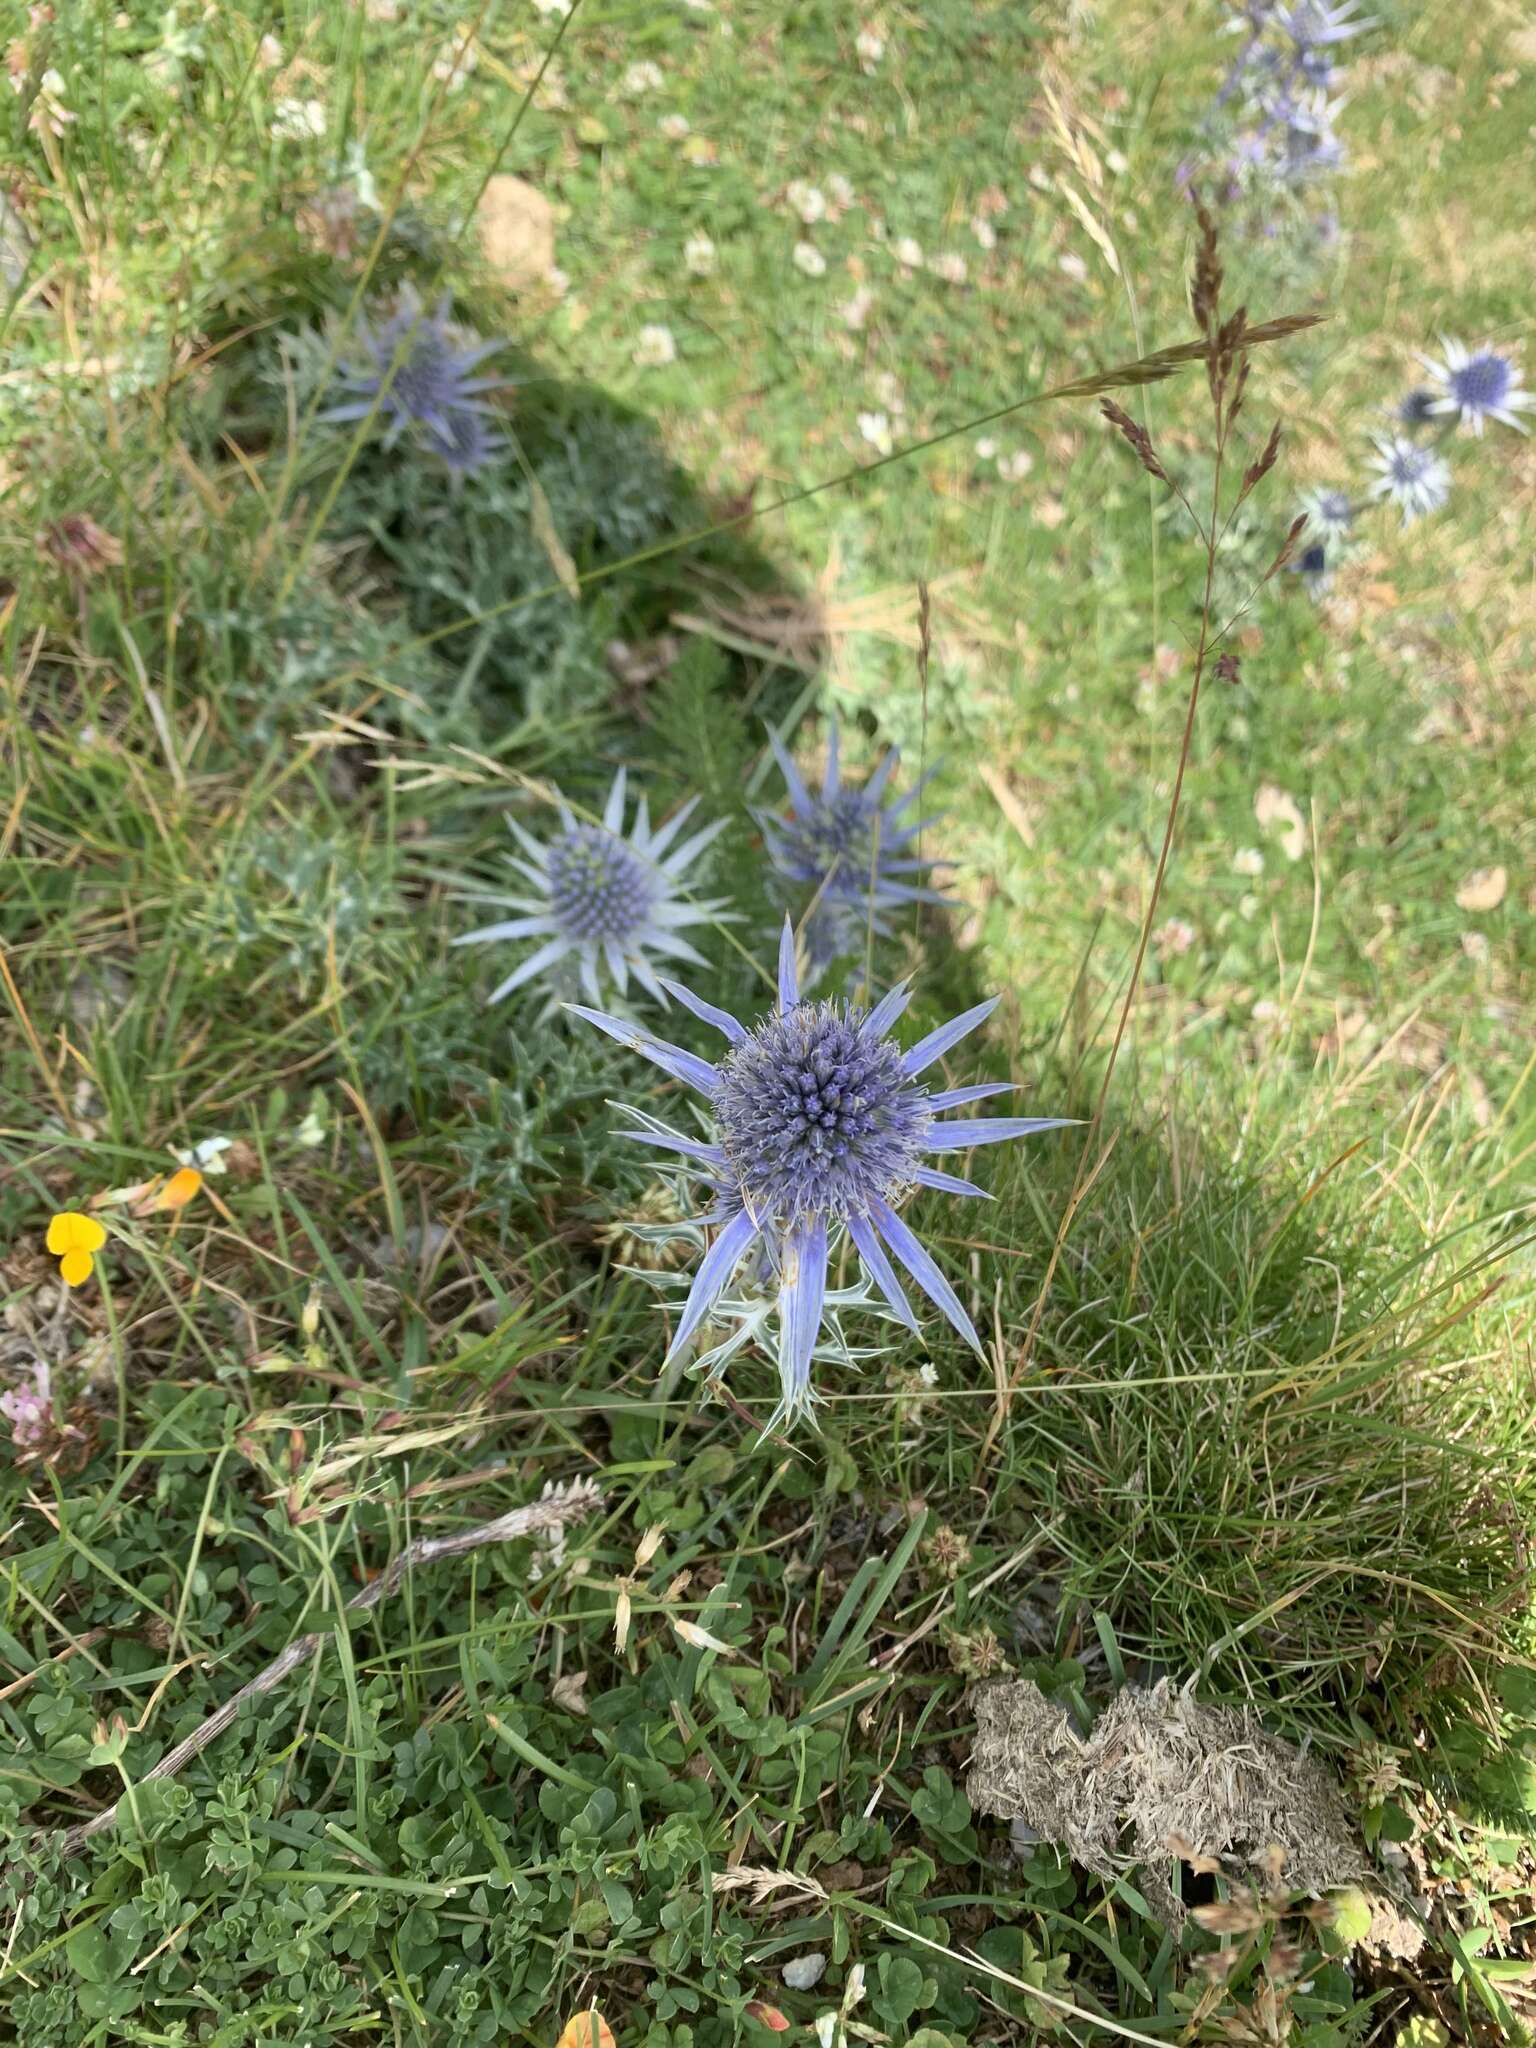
<point>849,846</point>
<point>821,1126</point>
<point>1413,476</point>
<point>1477,385</point>
<point>604,898</point>
<point>421,380</point>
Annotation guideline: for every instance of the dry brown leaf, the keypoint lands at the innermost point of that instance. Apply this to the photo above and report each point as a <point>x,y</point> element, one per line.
<point>570,1691</point>
<point>1483,889</point>
<point>517,231</point>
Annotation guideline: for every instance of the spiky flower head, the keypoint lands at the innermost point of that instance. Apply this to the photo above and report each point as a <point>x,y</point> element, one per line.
<point>605,900</point>
<point>1414,477</point>
<point>1478,385</point>
<point>1318,24</point>
<point>822,1127</point>
<point>1330,514</point>
<point>1314,568</point>
<point>854,850</point>
<point>1416,408</point>
<point>414,372</point>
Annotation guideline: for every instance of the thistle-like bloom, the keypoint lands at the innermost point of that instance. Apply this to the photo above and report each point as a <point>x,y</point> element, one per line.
<point>1414,477</point>
<point>1416,408</point>
<point>1330,514</point>
<point>851,847</point>
<point>821,1126</point>
<point>1314,569</point>
<point>413,370</point>
<point>746,1317</point>
<point>1315,24</point>
<point>1477,385</point>
<point>604,898</point>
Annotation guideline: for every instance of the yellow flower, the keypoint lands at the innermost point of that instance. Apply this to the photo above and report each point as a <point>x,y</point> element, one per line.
<point>179,1189</point>
<point>74,1241</point>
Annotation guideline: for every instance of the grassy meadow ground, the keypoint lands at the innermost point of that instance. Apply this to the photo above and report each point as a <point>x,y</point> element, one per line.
<point>1263,1423</point>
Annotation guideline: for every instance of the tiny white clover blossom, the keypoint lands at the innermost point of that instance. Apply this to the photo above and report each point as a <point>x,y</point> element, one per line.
<point>870,45</point>
<point>909,252</point>
<point>949,265</point>
<point>654,347</point>
<point>607,899</point>
<point>673,126</point>
<point>809,259</point>
<point>700,255</point>
<point>298,120</point>
<point>875,427</point>
<point>641,78</point>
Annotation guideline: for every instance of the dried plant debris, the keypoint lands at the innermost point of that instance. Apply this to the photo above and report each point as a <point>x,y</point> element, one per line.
<point>1159,1768</point>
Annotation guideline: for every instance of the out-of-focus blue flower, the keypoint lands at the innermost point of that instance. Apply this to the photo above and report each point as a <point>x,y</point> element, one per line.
<point>1416,408</point>
<point>821,1126</point>
<point>1414,477</point>
<point>1330,513</point>
<point>1314,569</point>
<point>413,371</point>
<point>1477,385</point>
<point>603,900</point>
<point>853,849</point>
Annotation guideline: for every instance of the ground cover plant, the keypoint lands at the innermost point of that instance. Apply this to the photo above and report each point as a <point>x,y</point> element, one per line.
<point>505,503</point>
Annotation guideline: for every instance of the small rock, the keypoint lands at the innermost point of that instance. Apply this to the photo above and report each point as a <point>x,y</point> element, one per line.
<point>804,1973</point>
<point>517,231</point>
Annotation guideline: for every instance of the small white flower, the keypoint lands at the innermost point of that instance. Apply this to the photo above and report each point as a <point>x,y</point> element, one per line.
<point>48,109</point>
<point>641,78</point>
<point>356,168</point>
<point>1072,265</point>
<point>889,393</point>
<point>870,45</point>
<point>559,8</point>
<point>1040,177</point>
<point>841,191</point>
<point>207,1155</point>
<point>1175,937</point>
<point>985,233</point>
<point>269,53</point>
<point>949,265</point>
<point>297,120</point>
<point>1014,468</point>
<point>986,448</point>
<point>809,201</point>
<point>311,1130</point>
<point>457,58</point>
<point>558,280</point>
<point>654,347</point>
<point>1248,861</point>
<point>928,1373</point>
<point>673,126</point>
<point>700,255</point>
<point>876,430</point>
<point>909,252</point>
<point>808,257</point>
<point>857,309</point>
<point>1115,161</point>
